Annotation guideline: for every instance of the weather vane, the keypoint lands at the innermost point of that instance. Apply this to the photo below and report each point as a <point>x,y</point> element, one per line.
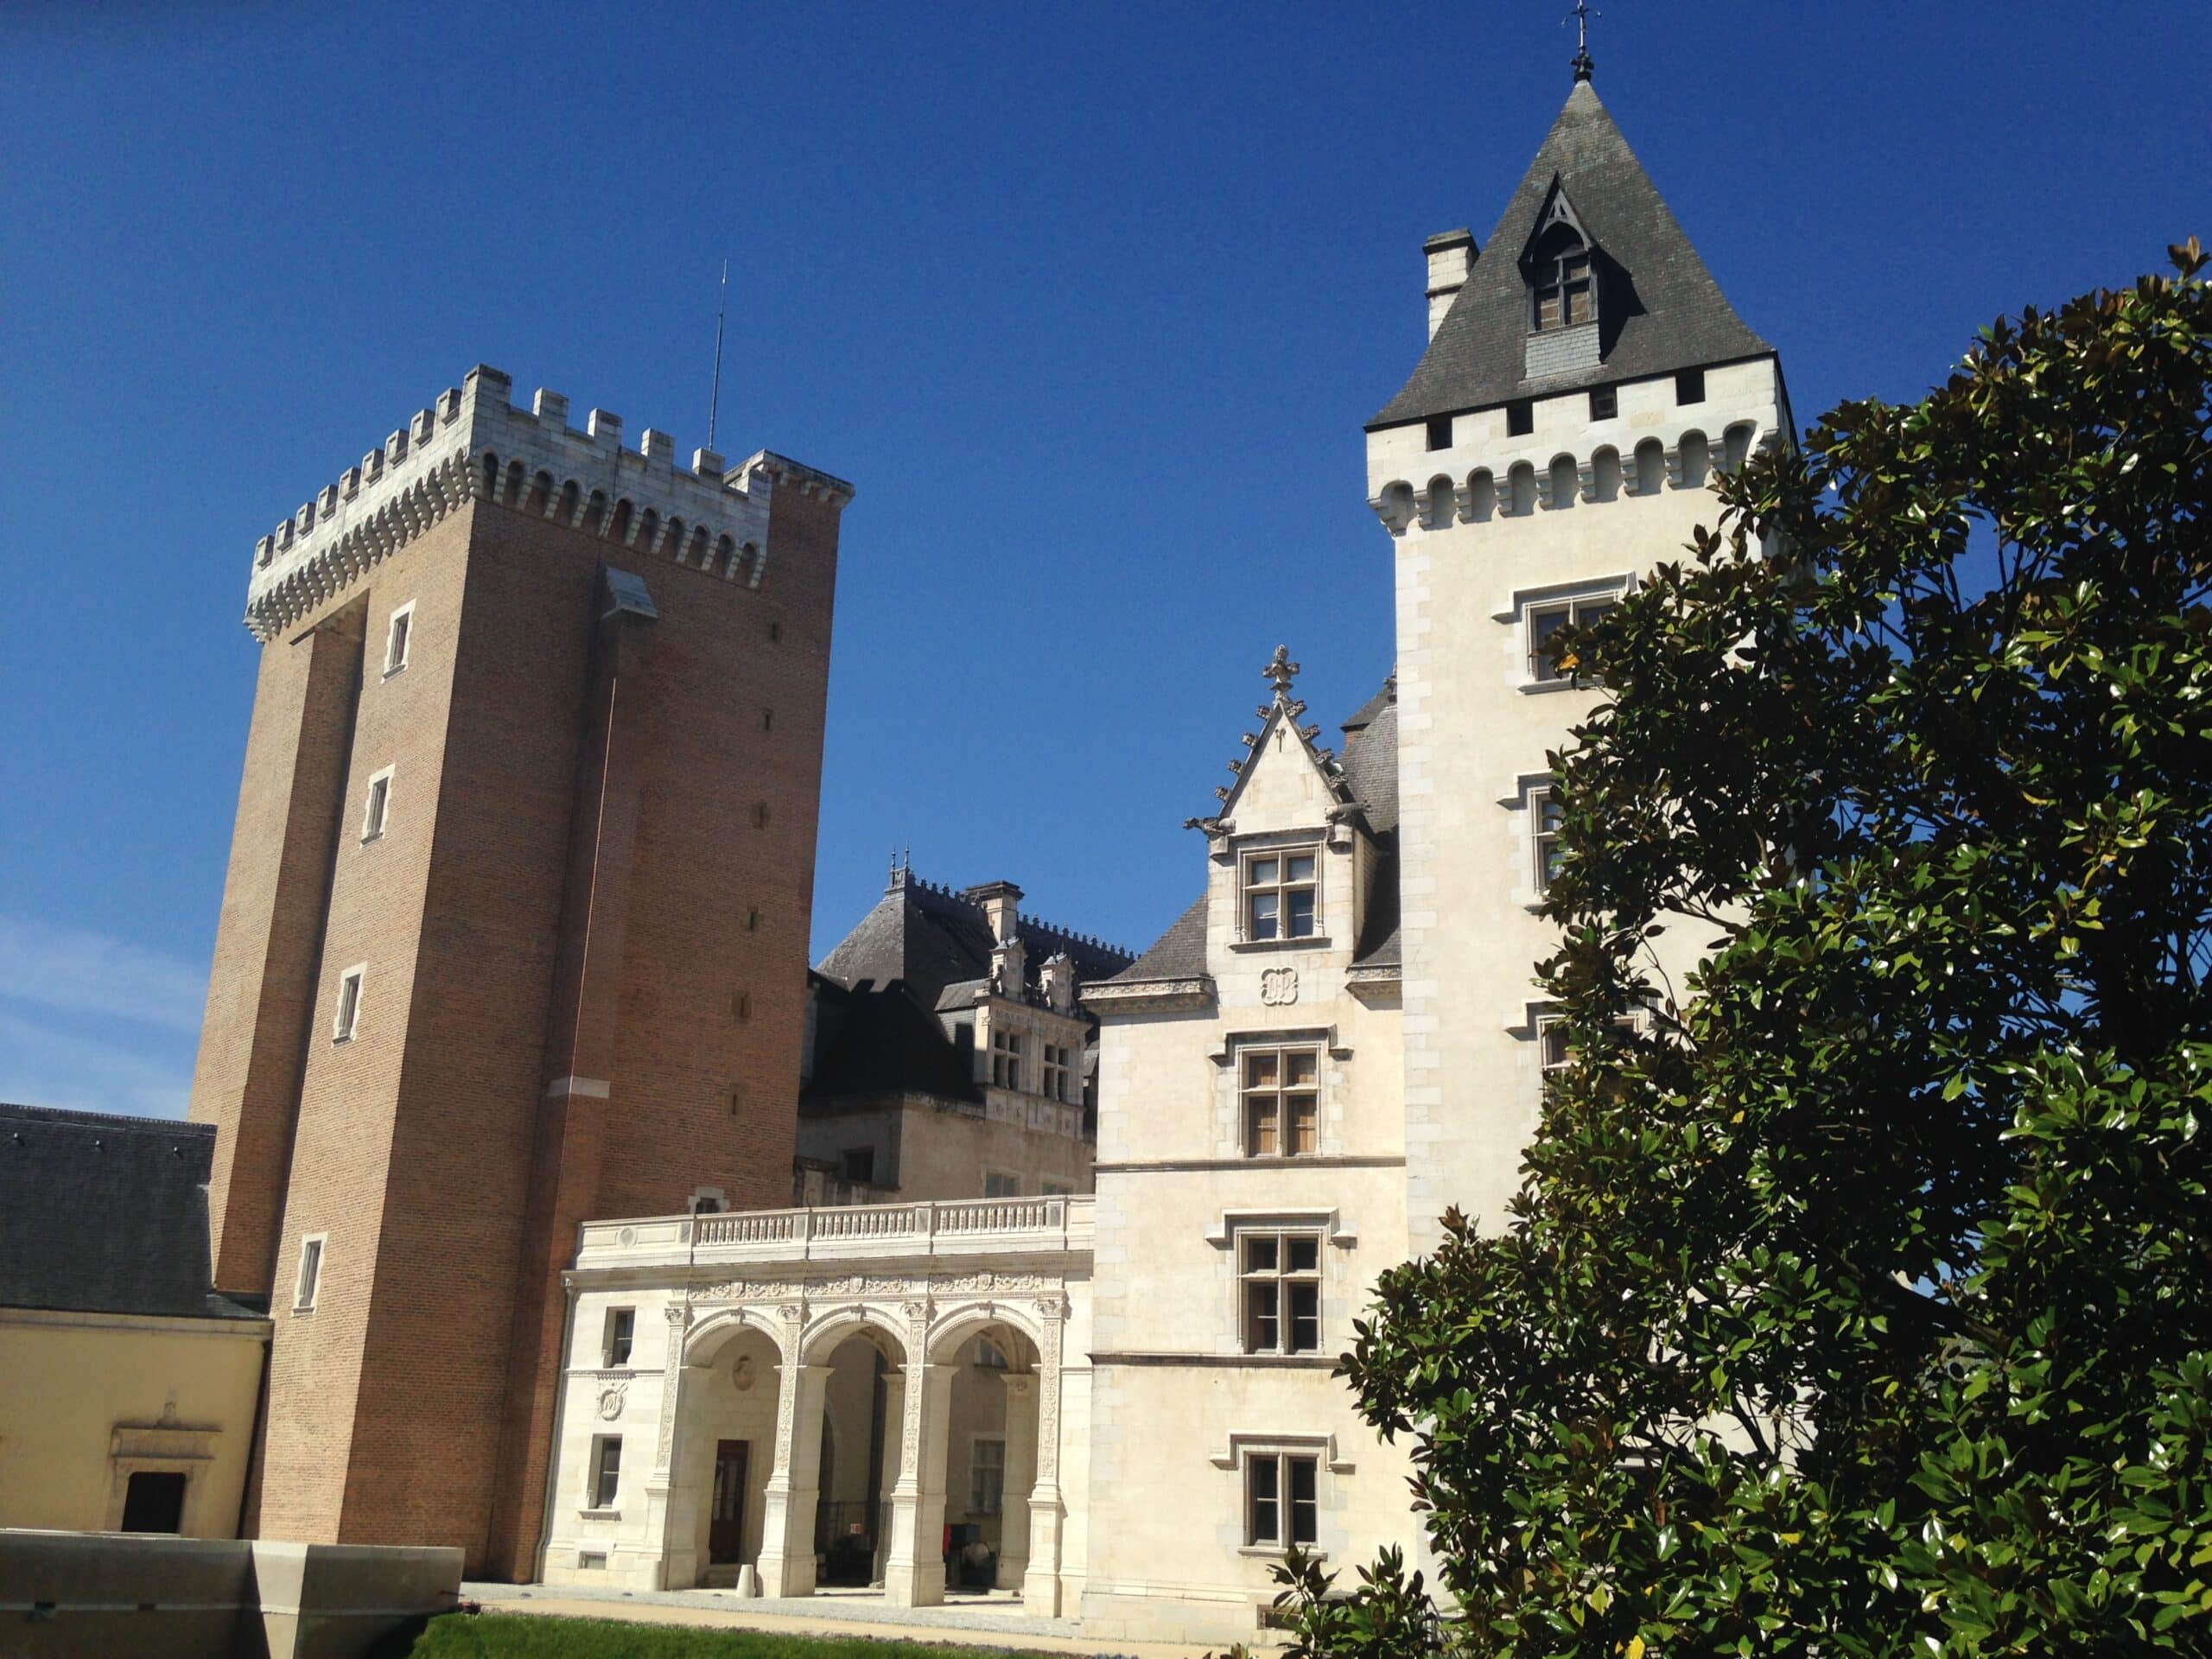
<point>1584,68</point>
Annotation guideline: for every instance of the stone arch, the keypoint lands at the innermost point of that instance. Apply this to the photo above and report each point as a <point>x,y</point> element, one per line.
<point>648,530</point>
<point>1693,460</point>
<point>541,493</point>
<point>750,564</point>
<point>822,1334</point>
<point>1521,489</point>
<point>617,529</point>
<point>594,518</point>
<point>671,536</point>
<point>1605,474</point>
<point>1396,505</point>
<point>955,1325</point>
<point>697,554</point>
<point>1651,466</point>
<point>1481,495</point>
<point>704,1341</point>
<point>1563,484</point>
<point>725,559</point>
<point>491,467</point>
<point>517,475</point>
<point>571,501</point>
<point>1736,445</point>
<point>1443,503</point>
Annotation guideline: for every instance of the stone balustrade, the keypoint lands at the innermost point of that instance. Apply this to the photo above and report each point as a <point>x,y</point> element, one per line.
<point>844,1233</point>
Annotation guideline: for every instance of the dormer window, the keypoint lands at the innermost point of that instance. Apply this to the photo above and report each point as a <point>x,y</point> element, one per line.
<point>1280,896</point>
<point>1565,294</point>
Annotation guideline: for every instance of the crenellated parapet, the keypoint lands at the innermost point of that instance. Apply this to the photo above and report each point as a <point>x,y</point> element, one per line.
<point>473,444</point>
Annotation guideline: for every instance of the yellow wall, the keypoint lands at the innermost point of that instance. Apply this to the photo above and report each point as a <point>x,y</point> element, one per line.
<point>84,1398</point>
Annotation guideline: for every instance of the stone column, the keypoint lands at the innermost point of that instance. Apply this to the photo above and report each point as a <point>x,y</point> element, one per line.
<point>914,1576</point>
<point>894,1419</point>
<point>669,1574</point>
<point>1020,1432</point>
<point>787,1520</point>
<point>1040,1584</point>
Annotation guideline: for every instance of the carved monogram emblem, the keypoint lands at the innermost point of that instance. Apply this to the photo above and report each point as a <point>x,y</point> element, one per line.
<point>610,1401</point>
<point>1279,986</point>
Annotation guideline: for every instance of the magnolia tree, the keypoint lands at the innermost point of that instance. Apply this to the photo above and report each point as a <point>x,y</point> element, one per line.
<point>1857,1296</point>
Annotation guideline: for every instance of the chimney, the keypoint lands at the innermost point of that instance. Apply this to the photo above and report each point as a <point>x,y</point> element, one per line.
<point>1451,257</point>
<point>997,900</point>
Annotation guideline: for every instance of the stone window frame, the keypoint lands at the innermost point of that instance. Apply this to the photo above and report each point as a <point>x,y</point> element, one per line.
<point>1057,1061</point>
<point>1328,1099</point>
<point>164,1448</point>
<point>1303,1046</point>
<point>1282,1276</point>
<point>376,807</point>
<point>351,984</point>
<point>398,637</point>
<point>1006,1059</point>
<point>609,1332</point>
<point>1308,844</point>
<point>1528,604</point>
<point>600,1503</point>
<point>1282,1456</point>
<point>307,1288</point>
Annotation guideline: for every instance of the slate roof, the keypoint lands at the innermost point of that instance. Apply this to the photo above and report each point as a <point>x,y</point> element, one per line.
<point>931,936</point>
<point>1660,310</point>
<point>889,995</point>
<point>107,1215</point>
<point>1180,953</point>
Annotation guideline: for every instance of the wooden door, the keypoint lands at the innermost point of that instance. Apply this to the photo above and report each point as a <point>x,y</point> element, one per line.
<point>726,1522</point>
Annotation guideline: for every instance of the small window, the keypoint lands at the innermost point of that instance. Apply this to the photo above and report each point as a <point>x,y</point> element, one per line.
<point>752,921</point>
<point>1545,816</point>
<point>349,1004</point>
<point>1060,1062</point>
<point>860,1165</point>
<point>1545,622</point>
<point>1056,1190</point>
<point>767,719</point>
<point>621,1327</point>
<point>396,637</point>
<point>379,807</point>
<point>1281,1275</point>
<point>759,815</point>
<point>605,1471</point>
<point>1689,386</point>
<point>1005,1059</point>
<point>740,1006</point>
<point>997,1184</point>
<point>1281,897</point>
<point>1439,431</point>
<point>310,1275</point>
<point>1604,402</point>
<point>1282,1101</point>
<point>153,1501</point>
<point>1520,419</point>
<point>985,1476</point>
<point>1281,1504</point>
<point>775,632</point>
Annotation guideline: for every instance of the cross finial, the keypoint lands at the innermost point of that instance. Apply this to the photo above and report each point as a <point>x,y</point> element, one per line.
<point>1281,671</point>
<point>1584,66</point>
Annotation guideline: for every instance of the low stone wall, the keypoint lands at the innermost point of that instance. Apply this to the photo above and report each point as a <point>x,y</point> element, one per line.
<point>71,1593</point>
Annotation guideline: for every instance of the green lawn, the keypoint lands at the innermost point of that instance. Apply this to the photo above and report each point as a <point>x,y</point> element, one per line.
<point>517,1636</point>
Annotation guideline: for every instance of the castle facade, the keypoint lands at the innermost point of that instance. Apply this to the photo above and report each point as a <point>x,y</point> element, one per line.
<point>1075,1235</point>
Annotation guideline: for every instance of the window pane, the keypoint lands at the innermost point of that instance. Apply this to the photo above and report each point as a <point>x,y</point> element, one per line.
<point>1553,1037</point>
<point>1305,1509</point>
<point>1264,1128</point>
<point>1263,916</point>
<point>1305,1317</point>
<point>1301,912</point>
<point>1301,868</point>
<point>1299,1065</point>
<point>1261,872</point>
<point>1542,625</point>
<point>1304,1254</point>
<point>1304,1123</point>
<point>1264,1479</point>
<point>1548,309</point>
<point>1260,1069</point>
<point>1263,1328</point>
<point>1260,1255</point>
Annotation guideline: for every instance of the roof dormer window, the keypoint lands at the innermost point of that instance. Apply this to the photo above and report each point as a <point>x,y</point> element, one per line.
<point>1564,293</point>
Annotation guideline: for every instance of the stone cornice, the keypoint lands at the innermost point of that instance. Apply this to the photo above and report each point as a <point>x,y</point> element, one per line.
<point>1149,995</point>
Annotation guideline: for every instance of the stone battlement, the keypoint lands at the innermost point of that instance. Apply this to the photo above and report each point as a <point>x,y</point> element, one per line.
<point>472,443</point>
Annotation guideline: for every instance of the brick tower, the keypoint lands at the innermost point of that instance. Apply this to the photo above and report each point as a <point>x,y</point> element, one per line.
<point>514,931</point>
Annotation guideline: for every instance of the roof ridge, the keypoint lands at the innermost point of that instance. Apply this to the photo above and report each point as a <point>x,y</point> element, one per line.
<point>63,1116</point>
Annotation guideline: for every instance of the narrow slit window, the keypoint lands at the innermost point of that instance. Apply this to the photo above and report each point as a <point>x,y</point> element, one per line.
<point>1546,816</point>
<point>378,805</point>
<point>396,638</point>
<point>621,1330</point>
<point>605,1471</point>
<point>311,1275</point>
<point>349,1005</point>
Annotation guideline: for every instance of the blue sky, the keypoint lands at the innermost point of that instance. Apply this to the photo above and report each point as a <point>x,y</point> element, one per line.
<point>1090,301</point>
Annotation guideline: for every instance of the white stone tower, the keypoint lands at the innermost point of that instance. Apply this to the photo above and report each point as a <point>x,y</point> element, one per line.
<point>1584,379</point>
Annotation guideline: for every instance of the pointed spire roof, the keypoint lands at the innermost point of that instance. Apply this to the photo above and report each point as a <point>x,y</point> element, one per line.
<point>1663,310</point>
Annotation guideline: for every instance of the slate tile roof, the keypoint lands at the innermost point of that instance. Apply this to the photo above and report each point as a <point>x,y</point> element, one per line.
<point>1662,312</point>
<point>107,1215</point>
